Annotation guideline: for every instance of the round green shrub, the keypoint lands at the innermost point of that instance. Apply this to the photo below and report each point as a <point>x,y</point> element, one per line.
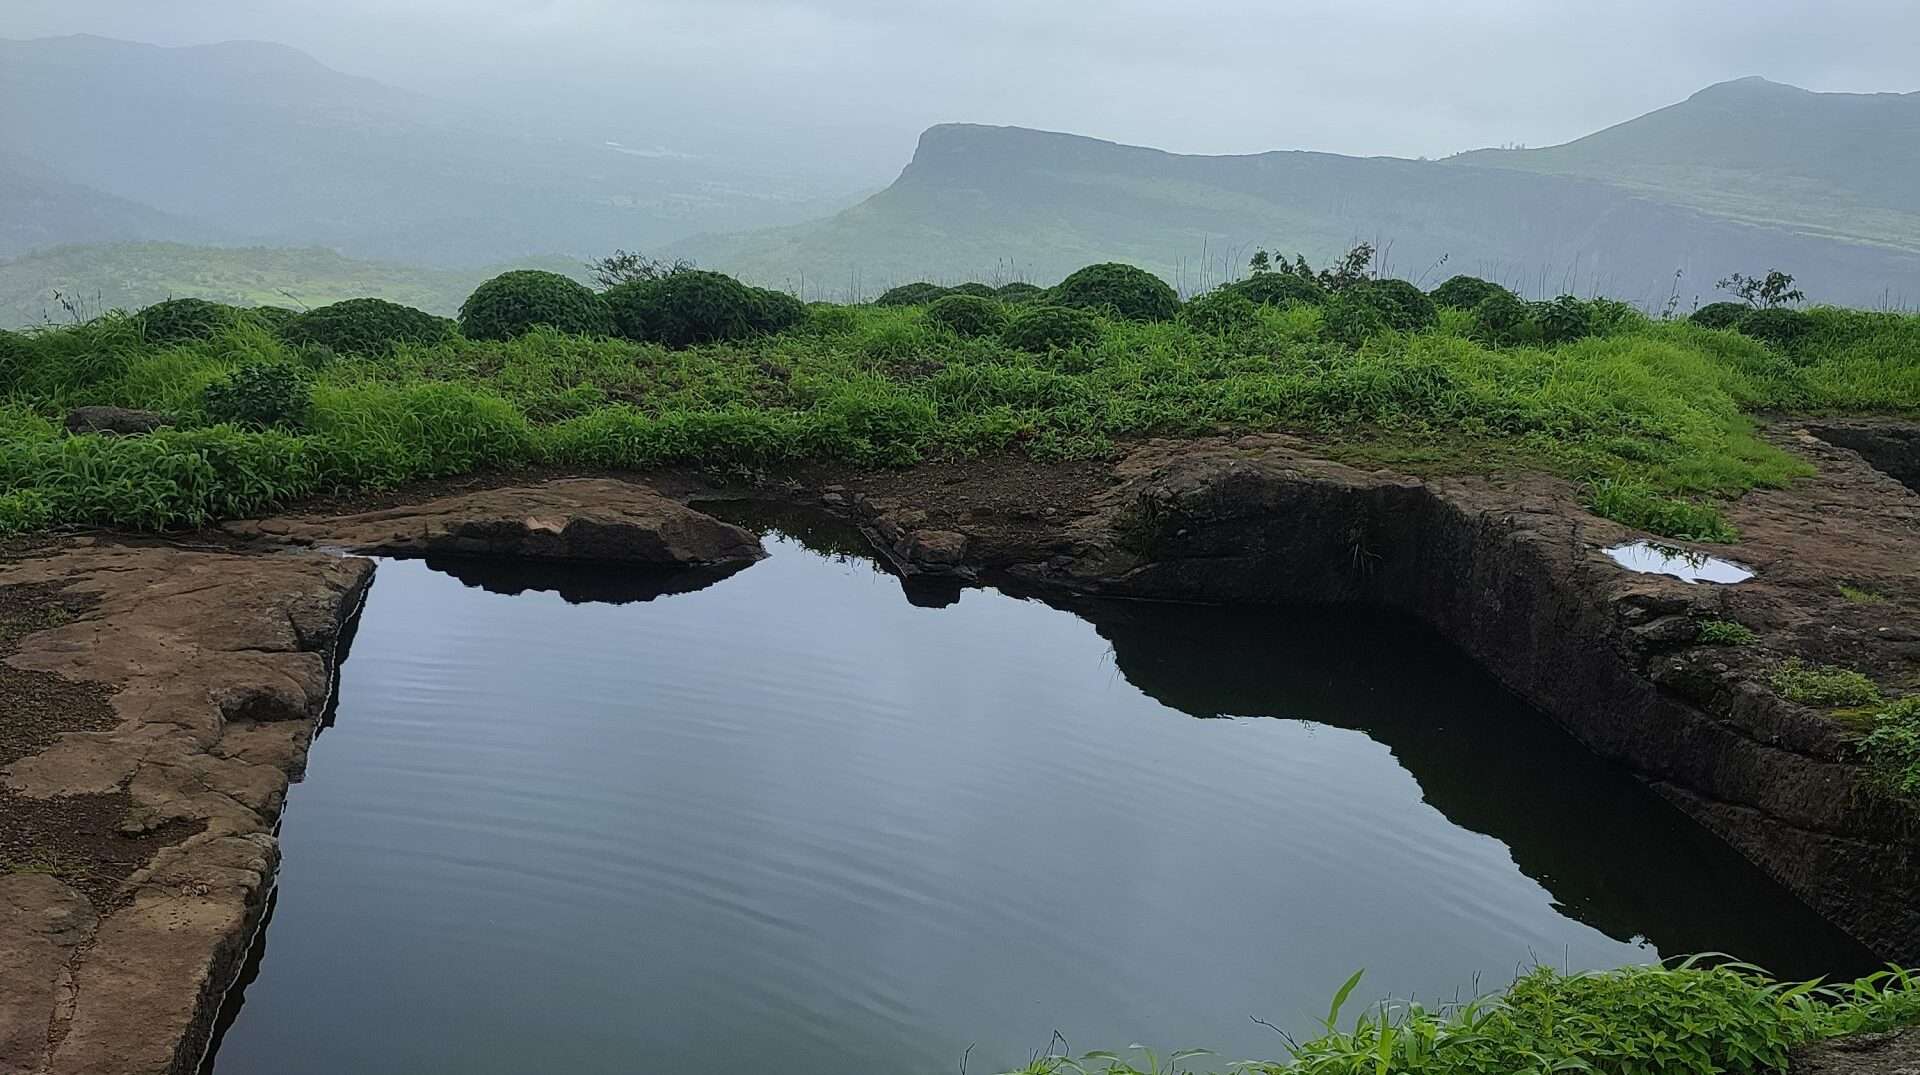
<point>1019,291</point>
<point>968,316</point>
<point>983,291</point>
<point>176,321</point>
<point>1503,320</point>
<point>1280,289</point>
<point>776,311</point>
<point>918,293</point>
<point>1467,292</point>
<point>687,308</point>
<point>512,303</point>
<point>1352,320</point>
<point>1221,312</point>
<point>1119,290</point>
<point>1720,314</point>
<point>260,394</point>
<point>1406,307</point>
<point>1563,320</point>
<point>1051,328</point>
<point>831,319</point>
<point>365,327</point>
<point>1777,327</point>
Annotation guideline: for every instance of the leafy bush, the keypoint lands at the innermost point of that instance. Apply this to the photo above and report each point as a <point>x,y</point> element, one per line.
<point>1777,326</point>
<point>1280,289</point>
<point>1351,319</point>
<point>1468,292</point>
<point>1119,290</point>
<point>983,291</point>
<point>365,327</point>
<point>261,395</point>
<point>1563,320</point>
<point>918,293</point>
<point>1893,746</point>
<point>511,304</point>
<point>1726,633</point>
<point>1221,312</point>
<point>776,311</point>
<point>1406,307</point>
<point>177,321</point>
<point>1503,320</point>
<point>1720,314</point>
<point>688,308</point>
<point>1051,328</point>
<point>1822,684</point>
<point>968,316</point>
<point>1019,291</point>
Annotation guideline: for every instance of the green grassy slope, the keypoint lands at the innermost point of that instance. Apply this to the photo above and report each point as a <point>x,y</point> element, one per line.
<point>1837,164</point>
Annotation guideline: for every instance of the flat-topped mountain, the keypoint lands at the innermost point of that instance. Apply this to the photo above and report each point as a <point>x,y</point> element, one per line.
<point>1717,184</point>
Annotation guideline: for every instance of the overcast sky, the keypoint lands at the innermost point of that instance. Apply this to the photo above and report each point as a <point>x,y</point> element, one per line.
<point>860,78</point>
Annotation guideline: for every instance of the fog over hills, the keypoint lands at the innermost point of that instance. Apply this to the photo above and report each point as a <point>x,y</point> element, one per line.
<point>249,144</point>
<point>260,142</point>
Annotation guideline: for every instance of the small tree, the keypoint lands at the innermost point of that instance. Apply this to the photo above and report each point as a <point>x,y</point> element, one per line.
<point>627,266</point>
<point>1763,292</point>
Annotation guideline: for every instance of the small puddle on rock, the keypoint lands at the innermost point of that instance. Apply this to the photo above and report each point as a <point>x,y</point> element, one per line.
<point>1652,558</point>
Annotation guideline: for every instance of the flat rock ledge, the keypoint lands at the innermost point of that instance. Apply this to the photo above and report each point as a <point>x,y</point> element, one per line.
<point>217,668</point>
<point>586,519</point>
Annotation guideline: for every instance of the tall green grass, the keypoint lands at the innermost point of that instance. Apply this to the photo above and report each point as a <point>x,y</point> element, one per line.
<point>1653,419</point>
<point>1692,1018</point>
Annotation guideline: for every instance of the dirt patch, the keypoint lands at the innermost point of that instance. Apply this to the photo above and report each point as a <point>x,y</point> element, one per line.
<point>1897,1053</point>
<point>77,839</point>
<point>40,706</point>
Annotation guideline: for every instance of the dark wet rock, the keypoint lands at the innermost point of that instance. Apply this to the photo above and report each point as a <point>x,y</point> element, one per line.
<point>115,420</point>
<point>586,519</point>
<point>1891,447</point>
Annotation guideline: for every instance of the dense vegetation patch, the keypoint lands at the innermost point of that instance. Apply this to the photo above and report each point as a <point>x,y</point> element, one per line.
<point>515,303</point>
<point>968,316</point>
<point>1691,1018</point>
<point>918,293</point>
<point>360,326</point>
<point>1823,685</point>
<point>1467,292</point>
<point>1042,329</point>
<point>1118,290</point>
<point>1019,291</point>
<point>1650,417</point>
<point>177,321</point>
<point>1279,289</point>
<point>685,308</point>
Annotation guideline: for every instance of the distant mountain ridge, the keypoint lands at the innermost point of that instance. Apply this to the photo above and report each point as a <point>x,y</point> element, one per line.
<point>1038,204</point>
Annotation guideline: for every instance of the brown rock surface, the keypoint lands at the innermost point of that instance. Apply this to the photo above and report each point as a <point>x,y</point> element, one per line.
<point>1897,1053</point>
<point>566,519</point>
<point>216,668</point>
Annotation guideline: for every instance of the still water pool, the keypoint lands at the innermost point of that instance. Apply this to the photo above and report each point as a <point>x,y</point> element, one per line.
<point>788,820</point>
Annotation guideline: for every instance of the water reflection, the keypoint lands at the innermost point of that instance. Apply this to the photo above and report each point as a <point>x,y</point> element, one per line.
<point>1653,558</point>
<point>581,583</point>
<point>794,821</point>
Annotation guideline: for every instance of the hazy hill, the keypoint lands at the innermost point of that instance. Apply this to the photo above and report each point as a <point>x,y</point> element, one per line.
<point>268,145</point>
<point>1844,164</point>
<point>131,275</point>
<point>39,207</point>
<point>979,200</point>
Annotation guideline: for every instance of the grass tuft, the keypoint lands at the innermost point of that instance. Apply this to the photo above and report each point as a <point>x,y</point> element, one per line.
<point>1822,684</point>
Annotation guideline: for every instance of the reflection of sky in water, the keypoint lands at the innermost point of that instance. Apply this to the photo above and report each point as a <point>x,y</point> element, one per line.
<point>1652,558</point>
<point>791,820</point>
